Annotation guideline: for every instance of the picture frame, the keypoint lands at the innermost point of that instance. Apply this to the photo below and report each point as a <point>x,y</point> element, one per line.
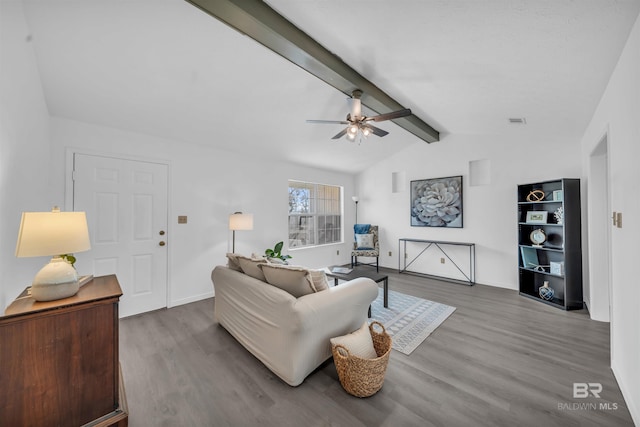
<point>556,268</point>
<point>537,217</point>
<point>529,257</point>
<point>436,202</point>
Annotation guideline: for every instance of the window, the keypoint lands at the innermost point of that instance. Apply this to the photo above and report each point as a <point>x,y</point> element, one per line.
<point>315,214</point>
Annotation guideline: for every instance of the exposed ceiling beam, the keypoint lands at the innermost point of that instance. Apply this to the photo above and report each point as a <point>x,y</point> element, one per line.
<point>257,20</point>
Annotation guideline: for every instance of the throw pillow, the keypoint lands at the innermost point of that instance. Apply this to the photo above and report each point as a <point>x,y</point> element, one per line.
<point>233,263</point>
<point>359,343</point>
<point>251,267</point>
<point>364,241</point>
<point>295,280</point>
<point>319,279</point>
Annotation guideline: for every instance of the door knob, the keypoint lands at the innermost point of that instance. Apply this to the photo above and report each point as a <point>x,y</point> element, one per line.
<point>162,243</point>
<point>161,232</point>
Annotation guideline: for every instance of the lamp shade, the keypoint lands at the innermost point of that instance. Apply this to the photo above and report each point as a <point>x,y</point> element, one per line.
<point>240,221</point>
<point>52,233</point>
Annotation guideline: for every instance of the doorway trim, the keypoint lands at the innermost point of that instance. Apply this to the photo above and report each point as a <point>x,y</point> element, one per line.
<point>599,229</point>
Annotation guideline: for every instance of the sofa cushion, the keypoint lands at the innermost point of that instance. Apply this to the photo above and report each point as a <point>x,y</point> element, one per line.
<point>233,263</point>
<point>359,343</point>
<point>295,280</point>
<point>251,267</point>
<point>319,279</point>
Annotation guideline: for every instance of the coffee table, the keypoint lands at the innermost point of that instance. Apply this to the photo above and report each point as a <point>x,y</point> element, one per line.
<point>362,271</point>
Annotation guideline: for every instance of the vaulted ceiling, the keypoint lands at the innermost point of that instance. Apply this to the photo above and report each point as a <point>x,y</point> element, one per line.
<point>165,68</point>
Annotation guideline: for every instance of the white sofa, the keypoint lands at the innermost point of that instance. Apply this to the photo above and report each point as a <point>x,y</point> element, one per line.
<point>289,335</point>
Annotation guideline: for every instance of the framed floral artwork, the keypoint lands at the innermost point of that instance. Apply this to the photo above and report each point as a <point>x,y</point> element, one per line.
<point>437,202</point>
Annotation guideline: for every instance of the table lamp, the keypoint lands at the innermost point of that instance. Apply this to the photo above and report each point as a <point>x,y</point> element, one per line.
<point>239,221</point>
<point>53,234</point>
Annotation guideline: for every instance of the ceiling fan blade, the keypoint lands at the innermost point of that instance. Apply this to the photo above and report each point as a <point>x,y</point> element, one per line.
<point>339,122</point>
<point>340,134</point>
<point>376,131</point>
<point>390,116</point>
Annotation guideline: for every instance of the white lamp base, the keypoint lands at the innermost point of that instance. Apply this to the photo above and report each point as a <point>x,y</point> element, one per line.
<point>56,280</point>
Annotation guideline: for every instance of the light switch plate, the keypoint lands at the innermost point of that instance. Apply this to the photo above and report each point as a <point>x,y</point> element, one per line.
<point>182,219</point>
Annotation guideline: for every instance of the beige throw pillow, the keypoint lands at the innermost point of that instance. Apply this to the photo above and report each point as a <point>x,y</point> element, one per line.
<point>251,266</point>
<point>359,343</point>
<point>295,280</point>
<point>319,279</point>
<point>233,263</point>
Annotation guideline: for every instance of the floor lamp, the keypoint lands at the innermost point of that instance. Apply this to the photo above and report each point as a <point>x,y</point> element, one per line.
<point>239,221</point>
<point>356,199</point>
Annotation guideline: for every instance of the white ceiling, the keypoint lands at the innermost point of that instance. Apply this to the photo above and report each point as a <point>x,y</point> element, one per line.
<point>165,68</point>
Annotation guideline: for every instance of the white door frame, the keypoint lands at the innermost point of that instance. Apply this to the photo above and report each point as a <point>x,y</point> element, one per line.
<point>599,229</point>
<point>68,191</point>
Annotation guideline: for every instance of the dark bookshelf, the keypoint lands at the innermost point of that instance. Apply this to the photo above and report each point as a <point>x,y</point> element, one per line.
<point>558,260</point>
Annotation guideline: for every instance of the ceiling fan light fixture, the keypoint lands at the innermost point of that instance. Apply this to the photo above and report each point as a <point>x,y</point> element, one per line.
<point>357,124</point>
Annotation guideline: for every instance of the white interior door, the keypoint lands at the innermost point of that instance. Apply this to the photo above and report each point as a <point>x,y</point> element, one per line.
<point>126,206</point>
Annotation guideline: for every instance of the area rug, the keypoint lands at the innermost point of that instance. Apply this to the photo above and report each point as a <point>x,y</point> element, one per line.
<point>409,320</point>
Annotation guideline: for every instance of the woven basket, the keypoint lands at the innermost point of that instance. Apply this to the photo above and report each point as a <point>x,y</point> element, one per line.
<point>363,377</point>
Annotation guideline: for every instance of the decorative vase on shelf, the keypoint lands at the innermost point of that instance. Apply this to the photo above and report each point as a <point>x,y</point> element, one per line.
<point>546,292</point>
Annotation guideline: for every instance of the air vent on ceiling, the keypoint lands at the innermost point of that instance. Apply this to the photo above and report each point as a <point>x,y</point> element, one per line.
<point>518,120</point>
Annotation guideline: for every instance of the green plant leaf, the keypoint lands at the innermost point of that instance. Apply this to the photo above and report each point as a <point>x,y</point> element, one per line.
<point>275,252</point>
<point>69,258</point>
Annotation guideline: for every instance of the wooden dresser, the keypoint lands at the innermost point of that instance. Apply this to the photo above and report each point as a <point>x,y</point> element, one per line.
<point>59,363</point>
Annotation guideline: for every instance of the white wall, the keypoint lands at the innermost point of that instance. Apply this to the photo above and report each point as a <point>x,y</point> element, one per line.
<point>490,211</point>
<point>24,148</point>
<point>618,114</point>
<point>206,185</point>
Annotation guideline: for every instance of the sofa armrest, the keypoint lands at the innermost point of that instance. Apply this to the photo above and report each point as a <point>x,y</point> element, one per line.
<point>319,317</point>
<point>347,301</point>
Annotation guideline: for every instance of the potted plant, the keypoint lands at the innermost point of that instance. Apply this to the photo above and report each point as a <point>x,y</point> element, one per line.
<point>276,253</point>
<point>69,258</point>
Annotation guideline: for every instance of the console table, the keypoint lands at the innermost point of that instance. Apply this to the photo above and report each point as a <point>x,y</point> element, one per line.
<point>59,361</point>
<point>469,273</point>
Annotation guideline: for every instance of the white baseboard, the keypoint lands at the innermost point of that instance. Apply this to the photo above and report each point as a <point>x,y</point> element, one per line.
<point>634,410</point>
<point>193,298</point>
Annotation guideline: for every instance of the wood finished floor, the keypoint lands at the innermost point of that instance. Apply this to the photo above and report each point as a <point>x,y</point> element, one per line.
<point>499,360</point>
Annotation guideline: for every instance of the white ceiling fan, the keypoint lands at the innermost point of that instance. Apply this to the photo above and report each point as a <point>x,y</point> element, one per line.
<point>356,122</point>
